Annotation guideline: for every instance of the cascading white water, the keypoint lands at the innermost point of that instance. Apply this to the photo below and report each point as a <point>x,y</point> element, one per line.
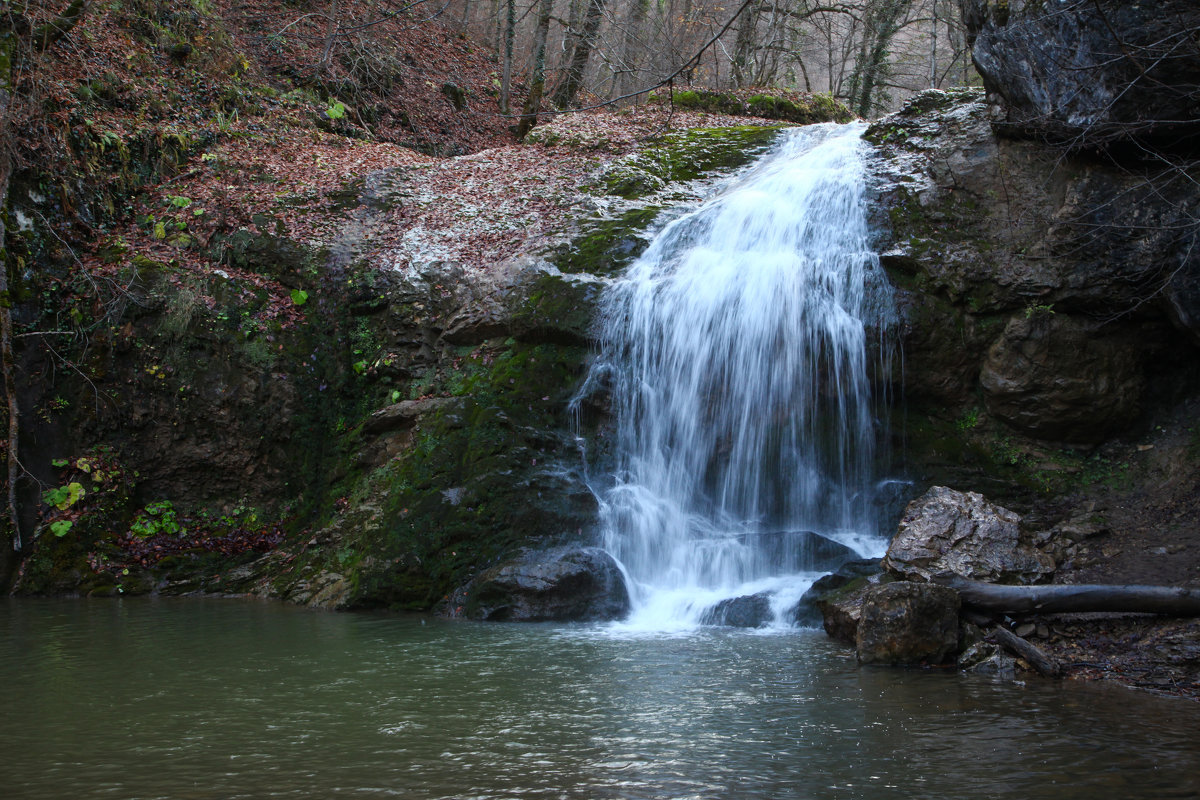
<point>735,351</point>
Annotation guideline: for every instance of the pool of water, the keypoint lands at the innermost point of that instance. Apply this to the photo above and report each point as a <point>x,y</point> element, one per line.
<point>143,698</point>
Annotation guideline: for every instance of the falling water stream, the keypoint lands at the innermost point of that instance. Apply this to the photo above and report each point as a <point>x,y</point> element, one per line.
<point>736,353</point>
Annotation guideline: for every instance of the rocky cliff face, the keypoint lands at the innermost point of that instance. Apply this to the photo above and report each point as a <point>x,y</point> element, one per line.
<point>1043,291</point>
<point>1042,239</point>
<point>1090,72</point>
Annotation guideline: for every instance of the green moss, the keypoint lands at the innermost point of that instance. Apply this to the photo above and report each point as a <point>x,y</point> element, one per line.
<point>800,108</point>
<point>805,111</point>
<point>972,449</point>
<point>472,485</point>
<point>608,246</point>
<point>940,100</point>
<point>715,102</point>
<point>687,155</point>
<point>556,309</point>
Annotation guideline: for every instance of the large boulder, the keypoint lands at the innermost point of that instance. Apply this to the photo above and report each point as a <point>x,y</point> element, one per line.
<point>1053,377</point>
<point>841,609</point>
<point>808,613</point>
<point>907,623</point>
<point>561,584</point>
<point>946,532</point>
<point>1090,70</point>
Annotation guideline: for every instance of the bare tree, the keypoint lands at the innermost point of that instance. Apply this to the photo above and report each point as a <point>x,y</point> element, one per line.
<point>533,100</point>
<point>572,79</point>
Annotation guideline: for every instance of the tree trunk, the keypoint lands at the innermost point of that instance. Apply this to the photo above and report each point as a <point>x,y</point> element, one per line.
<point>537,85</point>
<point>331,32</point>
<point>7,359</point>
<point>1063,598</point>
<point>742,68</point>
<point>1026,650</point>
<point>880,28</point>
<point>509,33</point>
<point>632,49</point>
<point>568,88</point>
<point>10,56</point>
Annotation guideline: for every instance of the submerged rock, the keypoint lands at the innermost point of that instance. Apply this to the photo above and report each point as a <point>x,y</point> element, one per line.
<point>562,584</point>
<point>949,532</point>
<point>907,623</point>
<point>984,658</point>
<point>747,611</point>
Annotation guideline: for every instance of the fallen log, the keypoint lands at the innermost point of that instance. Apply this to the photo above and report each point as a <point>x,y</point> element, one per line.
<point>1026,650</point>
<point>1063,598</point>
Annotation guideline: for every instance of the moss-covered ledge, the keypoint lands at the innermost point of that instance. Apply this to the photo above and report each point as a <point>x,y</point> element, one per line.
<point>684,156</point>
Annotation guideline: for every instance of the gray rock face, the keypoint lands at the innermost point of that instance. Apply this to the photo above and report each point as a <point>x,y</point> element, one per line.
<point>1052,377</point>
<point>748,611</point>
<point>1094,70</point>
<point>1047,279</point>
<point>907,623</point>
<point>961,533</point>
<point>561,584</point>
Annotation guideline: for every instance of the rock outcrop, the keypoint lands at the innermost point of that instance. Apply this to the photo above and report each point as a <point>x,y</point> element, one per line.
<point>1054,377</point>
<point>945,532</point>
<point>1041,291</point>
<point>1090,71</point>
<point>747,611</point>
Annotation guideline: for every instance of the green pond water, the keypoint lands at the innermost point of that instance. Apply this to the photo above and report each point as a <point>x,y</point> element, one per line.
<point>143,698</point>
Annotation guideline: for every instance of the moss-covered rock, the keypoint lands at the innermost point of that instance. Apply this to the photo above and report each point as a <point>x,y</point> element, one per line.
<point>684,156</point>
<point>607,246</point>
<point>796,107</point>
<point>479,480</point>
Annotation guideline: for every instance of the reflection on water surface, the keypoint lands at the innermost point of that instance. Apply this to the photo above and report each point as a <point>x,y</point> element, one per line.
<point>141,698</point>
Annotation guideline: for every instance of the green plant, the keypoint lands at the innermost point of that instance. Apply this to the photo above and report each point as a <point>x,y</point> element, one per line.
<point>336,110</point>
<point>156,519</point>
<point>1040,309</point>
<point>63,497</point>
<point>968,421</point>
<point>225,122</point>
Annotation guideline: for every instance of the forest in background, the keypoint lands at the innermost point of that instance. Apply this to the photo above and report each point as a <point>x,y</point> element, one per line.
<point>869,53</point>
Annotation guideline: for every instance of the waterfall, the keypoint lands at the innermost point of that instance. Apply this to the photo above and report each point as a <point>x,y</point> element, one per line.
<point>735,355</point>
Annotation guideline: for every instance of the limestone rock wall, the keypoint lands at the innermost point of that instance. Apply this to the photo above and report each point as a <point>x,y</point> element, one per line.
<point>1043,292</point>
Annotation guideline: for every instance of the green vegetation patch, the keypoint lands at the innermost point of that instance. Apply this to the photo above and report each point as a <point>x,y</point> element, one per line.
<point>803,109</point>
<point>608,246</point>
<point>687,155</point>
<point>476,483</point>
